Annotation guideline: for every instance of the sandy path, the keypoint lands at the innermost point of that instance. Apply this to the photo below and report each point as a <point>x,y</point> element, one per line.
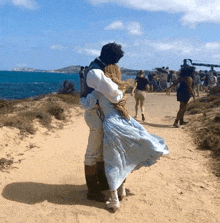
<point>48,184</point>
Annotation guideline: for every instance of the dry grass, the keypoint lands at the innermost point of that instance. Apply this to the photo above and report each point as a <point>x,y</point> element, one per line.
<point>207,134</point>
<point>203,105</point>
<point>20,114</point>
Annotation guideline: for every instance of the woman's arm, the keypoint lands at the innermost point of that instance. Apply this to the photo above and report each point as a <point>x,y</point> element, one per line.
<point>96,79</point>
<point>189,83</point>
<point>134,88</point>
<point>147,87</point>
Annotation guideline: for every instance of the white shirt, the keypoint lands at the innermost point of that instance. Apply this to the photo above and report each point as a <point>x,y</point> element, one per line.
<point>97,80</point>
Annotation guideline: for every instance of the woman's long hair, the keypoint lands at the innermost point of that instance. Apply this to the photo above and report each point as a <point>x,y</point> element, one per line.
<point>113,72</point>
<point>187,71</point>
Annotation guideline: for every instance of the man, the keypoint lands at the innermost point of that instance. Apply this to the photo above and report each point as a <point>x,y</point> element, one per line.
<point>141,85</point>
<point>94,79</point>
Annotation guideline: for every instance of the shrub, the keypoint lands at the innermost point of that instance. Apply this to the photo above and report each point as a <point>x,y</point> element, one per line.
<point>215,91</point>
<point>72,98</point>
<point>202,105</point>
<point>57,112</point>
<point>20,122</point>
<point>66,88</point>
<point>4,163</point>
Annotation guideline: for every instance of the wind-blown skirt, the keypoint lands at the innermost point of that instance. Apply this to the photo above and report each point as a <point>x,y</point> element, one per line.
<point>127,146</point>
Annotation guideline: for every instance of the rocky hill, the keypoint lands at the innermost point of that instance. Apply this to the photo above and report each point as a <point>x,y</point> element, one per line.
<point>73,69</point>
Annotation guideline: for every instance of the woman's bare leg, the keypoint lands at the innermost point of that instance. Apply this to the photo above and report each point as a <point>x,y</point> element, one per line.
<point>142,110</point>
<point>180,113</point>
<point>136,107</point>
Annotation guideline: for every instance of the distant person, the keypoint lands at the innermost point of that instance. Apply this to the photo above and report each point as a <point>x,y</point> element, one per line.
<point>218,79</point>
<point>213,80</point>
<point>169,81</point>
<point>151,82</point>
<point>196,84</point>
<point>201,77</point>
<point>81,72</point>
<point>206,81</point>
<point>174,76</point>
<point>171,78</point>
<point>184,92</point>
<point>167,70</point>
<point>141,85</point>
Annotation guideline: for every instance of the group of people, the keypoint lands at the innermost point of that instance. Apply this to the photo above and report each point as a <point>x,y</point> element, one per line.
<point>184,92</point>
<point>204,81</point>
<point>117,143</point>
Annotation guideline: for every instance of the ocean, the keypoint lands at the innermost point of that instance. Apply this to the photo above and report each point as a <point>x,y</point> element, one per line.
<point>19,85</point>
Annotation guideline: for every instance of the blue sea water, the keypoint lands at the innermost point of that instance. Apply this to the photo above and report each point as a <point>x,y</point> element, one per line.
<point>18,85</point>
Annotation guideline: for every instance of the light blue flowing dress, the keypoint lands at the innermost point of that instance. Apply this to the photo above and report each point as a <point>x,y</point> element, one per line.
<point>127,145</point>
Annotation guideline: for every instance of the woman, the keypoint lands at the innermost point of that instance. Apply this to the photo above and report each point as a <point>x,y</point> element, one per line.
<point>184,92</point>
<point>141,85</point>
<point>126,144</point>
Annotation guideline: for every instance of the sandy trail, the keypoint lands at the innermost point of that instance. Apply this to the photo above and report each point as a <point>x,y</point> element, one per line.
<point>47,183</point>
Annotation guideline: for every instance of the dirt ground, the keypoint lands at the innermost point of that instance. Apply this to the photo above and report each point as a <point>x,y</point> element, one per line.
<point>46,182</point>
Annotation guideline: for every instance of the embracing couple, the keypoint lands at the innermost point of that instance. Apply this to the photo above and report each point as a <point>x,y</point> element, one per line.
<point>117,143</point>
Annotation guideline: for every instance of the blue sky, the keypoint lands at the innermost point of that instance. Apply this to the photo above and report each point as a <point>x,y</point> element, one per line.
<point>52,34</point>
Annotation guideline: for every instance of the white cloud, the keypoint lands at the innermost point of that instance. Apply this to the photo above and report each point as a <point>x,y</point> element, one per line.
<point>117,25</point>
<point>194,11</point>
<point>133,28</point>
<point>89,52</point>
<point>216,56</point>
<point>176,46</point>
<point>212,45</point>
<point>29,4</point>
<point>57,47</point>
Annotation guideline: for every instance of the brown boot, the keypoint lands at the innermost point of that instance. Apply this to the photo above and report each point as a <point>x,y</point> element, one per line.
<point>94,192</point>
<point>100,172</point>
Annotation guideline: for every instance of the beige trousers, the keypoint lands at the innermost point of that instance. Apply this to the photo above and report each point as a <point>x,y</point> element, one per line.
<point>94,151</point>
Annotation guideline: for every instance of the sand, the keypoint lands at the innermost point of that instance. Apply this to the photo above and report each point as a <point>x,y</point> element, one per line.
<point>46,182</point>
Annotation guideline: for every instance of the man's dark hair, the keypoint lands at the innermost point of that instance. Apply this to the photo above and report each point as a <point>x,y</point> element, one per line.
<point>187,71</point>
<point>111,53</point>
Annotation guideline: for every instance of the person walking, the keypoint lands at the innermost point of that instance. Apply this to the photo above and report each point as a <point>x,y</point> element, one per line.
<point>141,86</point>
<point>94,79</point>
<point>184,92</point>
<point>127,146</point>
